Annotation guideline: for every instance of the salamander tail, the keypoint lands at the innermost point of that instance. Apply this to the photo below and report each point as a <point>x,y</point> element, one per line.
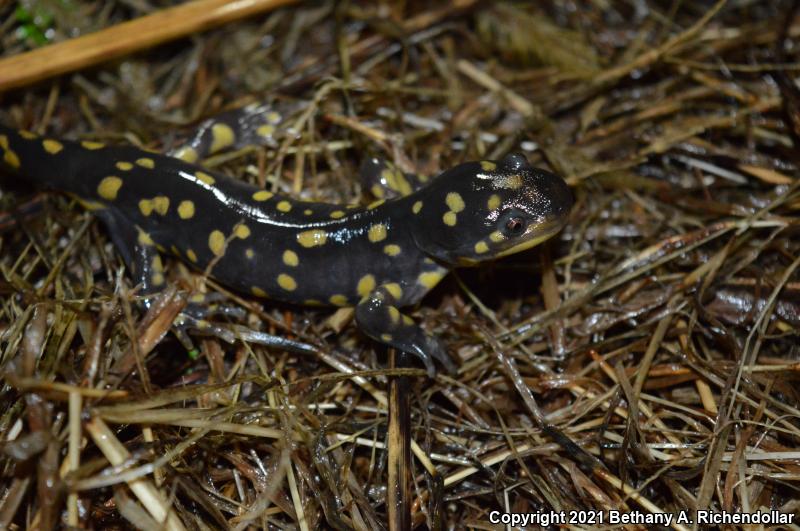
<point>43,161</point>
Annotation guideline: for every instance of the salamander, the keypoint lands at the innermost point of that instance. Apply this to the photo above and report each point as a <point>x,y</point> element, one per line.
<point>376,258</point>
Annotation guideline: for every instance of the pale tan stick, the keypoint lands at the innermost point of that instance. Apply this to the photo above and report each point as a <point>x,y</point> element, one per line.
<point>116,41</point>
<point>153,499</point>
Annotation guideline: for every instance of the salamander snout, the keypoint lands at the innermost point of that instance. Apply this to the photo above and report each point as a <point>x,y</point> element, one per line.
<point>558,193</point>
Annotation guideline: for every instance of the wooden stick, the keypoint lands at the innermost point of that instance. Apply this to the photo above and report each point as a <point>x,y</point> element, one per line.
<point>116,41</point>
<point>398,488</point>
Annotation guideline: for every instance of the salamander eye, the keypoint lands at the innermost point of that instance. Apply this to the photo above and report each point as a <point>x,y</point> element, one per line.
<point>513,224</point>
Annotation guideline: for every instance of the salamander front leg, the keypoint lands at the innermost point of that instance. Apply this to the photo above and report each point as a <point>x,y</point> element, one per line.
<point>377,315</point>
<point>385,181</point>
<point>138,251</point>
<point>253,125</point>
<point>144,262</point>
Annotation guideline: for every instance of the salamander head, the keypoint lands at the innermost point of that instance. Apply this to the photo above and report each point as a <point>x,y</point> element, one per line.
<point>483,210</point>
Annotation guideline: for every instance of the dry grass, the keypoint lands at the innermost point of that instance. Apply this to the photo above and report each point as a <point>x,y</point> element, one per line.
<point>646,359</point>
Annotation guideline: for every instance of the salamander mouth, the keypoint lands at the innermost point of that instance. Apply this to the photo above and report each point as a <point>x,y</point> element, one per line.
<point>536,234</point>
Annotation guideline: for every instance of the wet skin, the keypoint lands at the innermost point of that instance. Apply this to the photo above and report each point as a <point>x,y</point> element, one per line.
<point>376,258</point>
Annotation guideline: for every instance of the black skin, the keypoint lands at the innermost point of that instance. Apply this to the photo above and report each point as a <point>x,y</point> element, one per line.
<point>377,258</point>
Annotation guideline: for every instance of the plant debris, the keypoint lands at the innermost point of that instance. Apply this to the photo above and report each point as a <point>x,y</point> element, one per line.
<point>642,361</point>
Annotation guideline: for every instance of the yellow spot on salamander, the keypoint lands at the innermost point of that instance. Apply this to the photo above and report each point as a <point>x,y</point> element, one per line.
<point>338,300</point>
<point>216,242</point>
<point>403,185</point>
<point>187,154</point>
<point>512,182</point>
<point>157,277</point>
<point>497,236</point>
<point>145,162</point>
<point>52,146</point>
<point>11,159</point>
<point>488,165</point>
<point>416,207</point>
<point>27,135</point>
<point>290,258</point>
<point>396,181</point>
<point>186,209</point>
<point>146,207</point>
<point>266,130</point>
<point>241,231</point>
<point>450,218</point>
<point>284,206</point>
<point>287,282</point>
<point>161,204</point>
<point>408,321</point>
<point>312,238</point>
<point>88,144</point>
<point>386,337</point>
<point>222,136</point>
<point>203,177</point>
<point>262,195</point>
<point>392,249</point>
<point>124,166</point>
<point>376,204</point>
<point>308,212</point>
<point>377,233</point>
<point>258,292</point>
<point>494,202</point>
<point>394,290</point>
<point>394,314</point>
<point>377,190</point>
<point>249,253</point>
<point>145,239</point>
<point>481,247</point>
<point>365,285</point>
<point>108,187</point>
<point>454,202</point>
<point>336,214</point>
<point>429,279</point>
<point>174,250</point>
<point>273,117</point>
<point>190,254</point>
